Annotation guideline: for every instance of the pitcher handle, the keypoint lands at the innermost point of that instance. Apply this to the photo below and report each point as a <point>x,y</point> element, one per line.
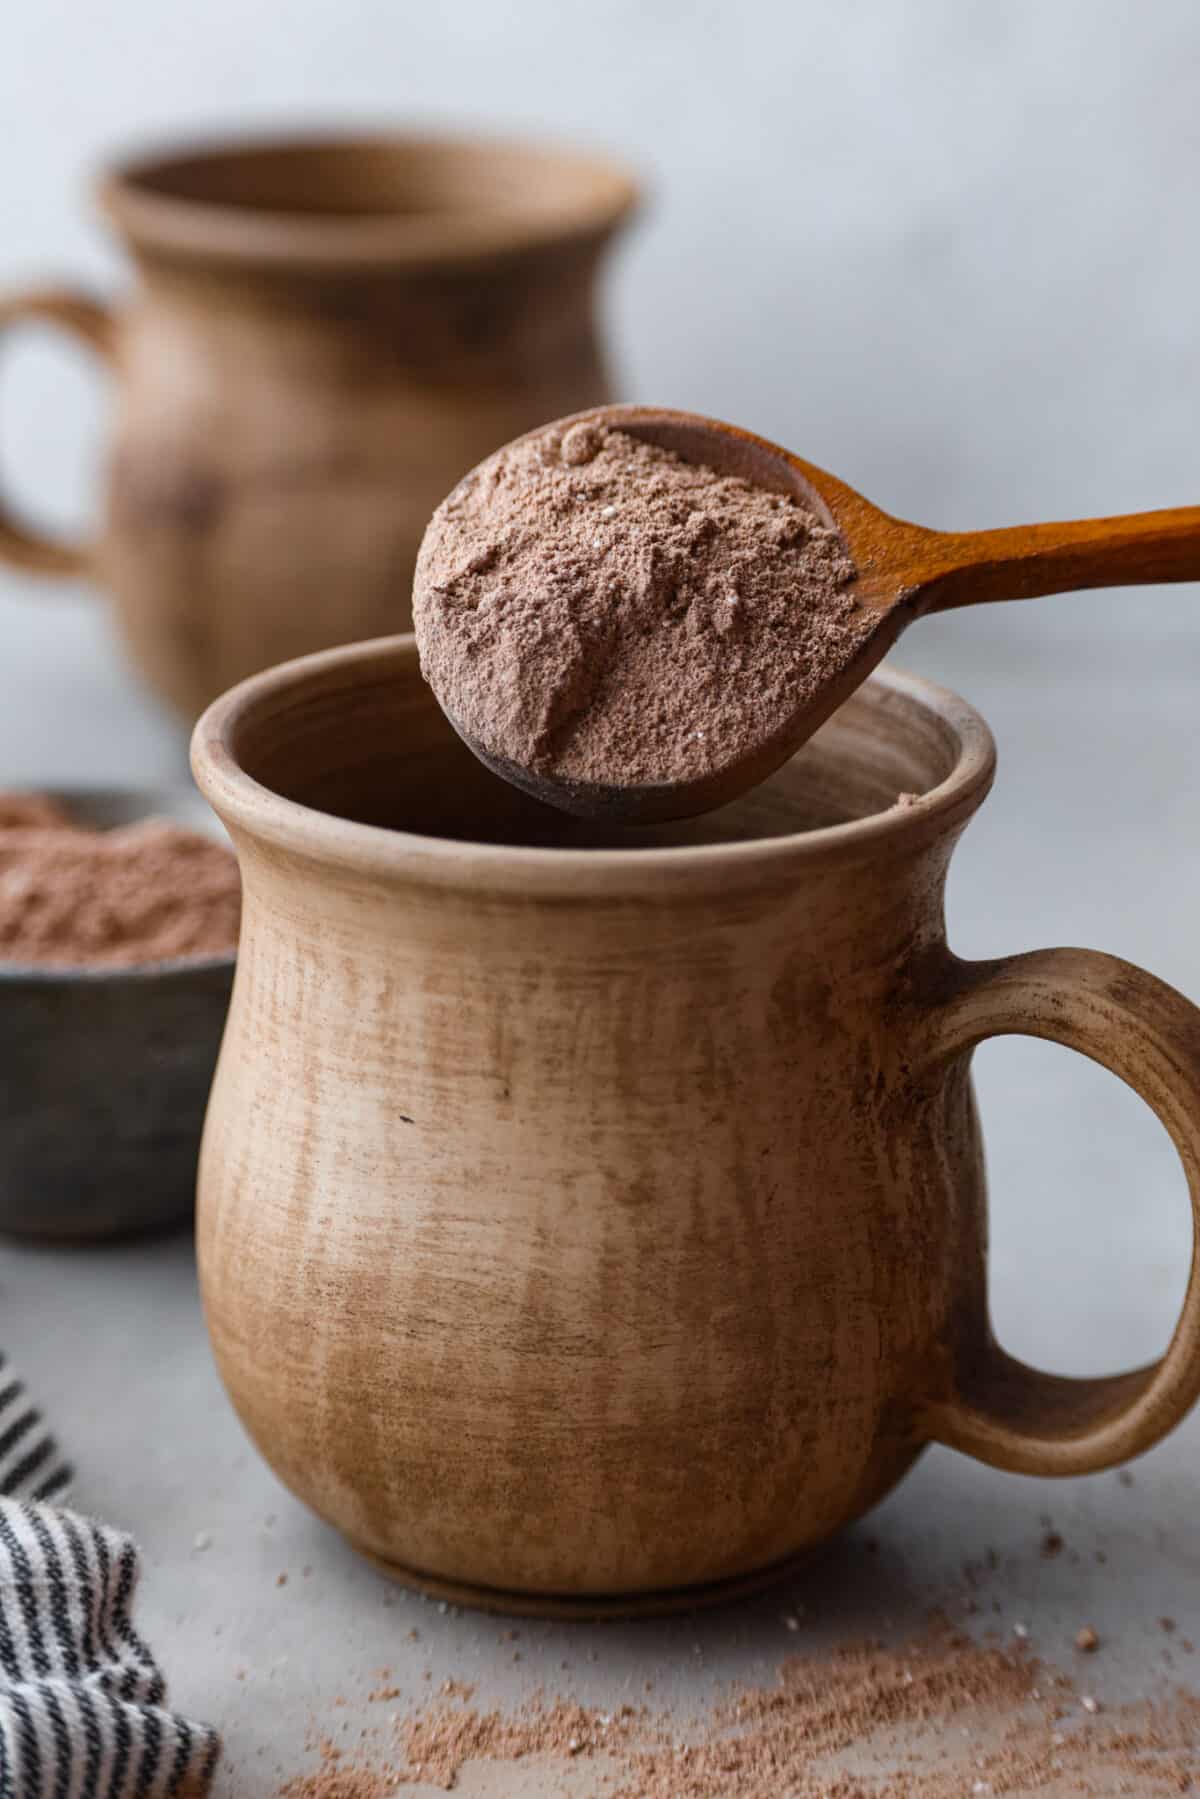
<point>92,323</point>
<point>994,1407</point>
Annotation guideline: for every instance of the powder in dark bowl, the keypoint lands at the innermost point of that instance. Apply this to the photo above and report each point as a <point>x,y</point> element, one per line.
<point>73,897</point>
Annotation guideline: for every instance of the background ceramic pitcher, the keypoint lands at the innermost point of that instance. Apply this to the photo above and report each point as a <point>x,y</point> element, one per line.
<point>593,1225</point>
<point>326,335</point>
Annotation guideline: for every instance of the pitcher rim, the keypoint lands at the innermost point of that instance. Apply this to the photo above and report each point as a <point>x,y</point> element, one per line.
<point>249,807</point>
<point>132,193</point>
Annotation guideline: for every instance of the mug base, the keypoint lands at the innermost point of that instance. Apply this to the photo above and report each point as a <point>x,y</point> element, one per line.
<point>591,1606</point>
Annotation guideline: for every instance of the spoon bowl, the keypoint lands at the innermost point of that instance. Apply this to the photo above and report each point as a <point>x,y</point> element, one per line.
<point>902,572</point>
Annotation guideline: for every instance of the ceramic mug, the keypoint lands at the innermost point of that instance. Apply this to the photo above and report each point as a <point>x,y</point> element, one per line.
<point>327,333</point>
<point>595,1222</point>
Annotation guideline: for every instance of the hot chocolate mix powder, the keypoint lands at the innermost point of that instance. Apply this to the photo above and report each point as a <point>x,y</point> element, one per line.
<point>594,608</point>
<point>75,897</point>
<point>936,1718</point>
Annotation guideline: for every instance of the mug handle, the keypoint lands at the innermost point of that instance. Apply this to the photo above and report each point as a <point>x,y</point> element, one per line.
<point>91,322</point>
<point>996,1408</point>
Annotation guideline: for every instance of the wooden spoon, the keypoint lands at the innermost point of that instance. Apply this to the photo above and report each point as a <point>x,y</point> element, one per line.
<point>903,572</point>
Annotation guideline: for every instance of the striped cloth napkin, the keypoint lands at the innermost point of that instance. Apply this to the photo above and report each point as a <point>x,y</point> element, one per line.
<point>82,1702</point>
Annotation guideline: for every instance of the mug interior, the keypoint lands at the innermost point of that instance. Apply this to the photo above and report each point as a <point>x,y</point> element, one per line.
<point>385,196</point>
<point>358,735</point>
<point>352,178</point>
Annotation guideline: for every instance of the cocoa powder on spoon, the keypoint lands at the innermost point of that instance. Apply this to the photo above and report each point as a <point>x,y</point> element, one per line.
<point>594,608</point>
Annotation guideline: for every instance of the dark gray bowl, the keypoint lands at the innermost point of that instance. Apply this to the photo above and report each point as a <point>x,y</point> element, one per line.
<point>104,1074</point>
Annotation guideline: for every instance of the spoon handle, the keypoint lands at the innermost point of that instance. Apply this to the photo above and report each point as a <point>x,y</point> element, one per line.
<point>962,568</point>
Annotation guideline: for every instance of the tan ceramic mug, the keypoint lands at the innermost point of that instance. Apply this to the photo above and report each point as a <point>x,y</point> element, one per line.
<point>597,1224</point>
<point>326,334</point>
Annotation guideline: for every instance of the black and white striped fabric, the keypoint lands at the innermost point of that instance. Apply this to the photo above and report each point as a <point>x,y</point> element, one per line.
<point>30,1465</point>
<point>82,1702</point>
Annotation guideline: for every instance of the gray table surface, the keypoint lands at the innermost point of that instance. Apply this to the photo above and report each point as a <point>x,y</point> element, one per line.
<point>1091,837</point>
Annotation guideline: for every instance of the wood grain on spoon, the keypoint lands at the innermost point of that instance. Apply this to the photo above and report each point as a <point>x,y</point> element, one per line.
<point>903,571</point>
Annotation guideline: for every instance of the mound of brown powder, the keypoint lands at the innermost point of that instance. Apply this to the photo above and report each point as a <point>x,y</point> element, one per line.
<point>73,897</point>
<point>593,607</point>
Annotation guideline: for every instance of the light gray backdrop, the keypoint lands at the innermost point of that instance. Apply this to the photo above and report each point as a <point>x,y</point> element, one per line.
<point>947,248</point>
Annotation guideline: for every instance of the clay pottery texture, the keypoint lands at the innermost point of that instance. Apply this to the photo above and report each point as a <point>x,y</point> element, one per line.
<point>105,1072</point>
<point>324,336</point>
<point>595,1219</point>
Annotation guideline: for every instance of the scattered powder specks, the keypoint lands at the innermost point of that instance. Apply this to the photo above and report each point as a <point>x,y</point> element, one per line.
<point>934,1719</point>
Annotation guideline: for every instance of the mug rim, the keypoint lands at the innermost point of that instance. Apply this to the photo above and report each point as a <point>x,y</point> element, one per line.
<point>133,194</point>
<point>256,811</point>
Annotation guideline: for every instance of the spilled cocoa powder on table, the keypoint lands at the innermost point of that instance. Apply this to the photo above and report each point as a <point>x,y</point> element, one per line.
<point>594,608</point>
<point>74,897</point>
<point>936,1718</point>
